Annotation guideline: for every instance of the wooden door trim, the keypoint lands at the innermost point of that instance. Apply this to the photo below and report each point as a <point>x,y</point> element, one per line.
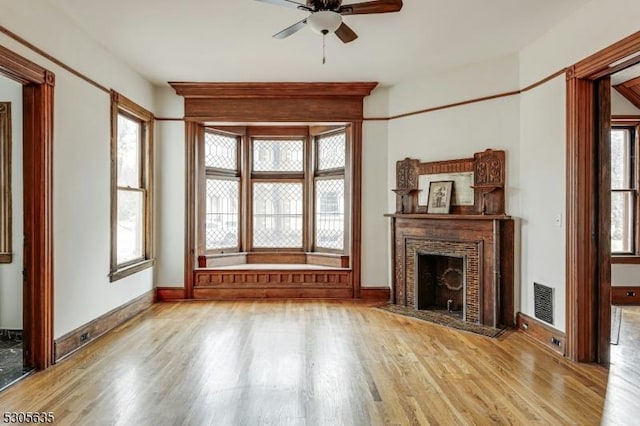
<point>587,293</point>
<point>38,87</point>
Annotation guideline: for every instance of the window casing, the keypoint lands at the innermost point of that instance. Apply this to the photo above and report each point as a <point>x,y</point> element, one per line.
<point>131,185</point>
<point>290,197</point>
<point>624,190</point>
<point>6,251</point>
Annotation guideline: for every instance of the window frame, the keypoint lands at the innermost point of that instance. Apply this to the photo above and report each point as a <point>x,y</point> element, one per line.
<point>222,174</point>
<point>633,125</point>
<point>120,105</point>
<point>247,177</point>
<point>328,174</point>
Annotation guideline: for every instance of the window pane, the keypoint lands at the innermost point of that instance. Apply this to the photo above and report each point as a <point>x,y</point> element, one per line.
<point>222,213</point>
<point>620,159</point>
<point>331,151</point>
<point>129,152</point>
<point>130,234</point>
<point>221,151</point>
<point>622,216</point>
<point>330,213</point>
<point>278,155</point>
<point>277,215</point>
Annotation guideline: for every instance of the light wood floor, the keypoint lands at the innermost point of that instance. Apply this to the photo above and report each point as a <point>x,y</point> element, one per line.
<point>622,405</point>
<point>307,363</point>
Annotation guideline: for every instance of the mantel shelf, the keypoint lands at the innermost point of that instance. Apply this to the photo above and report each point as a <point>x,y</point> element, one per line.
<point>448,216</point>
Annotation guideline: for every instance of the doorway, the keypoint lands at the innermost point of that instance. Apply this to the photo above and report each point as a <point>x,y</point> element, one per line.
<point>589,199</point>
<point>37,86</point>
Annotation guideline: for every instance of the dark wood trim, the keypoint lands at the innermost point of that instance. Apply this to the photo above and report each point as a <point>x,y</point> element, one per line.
<point>542,333</point>
<point>603,216</point>
<point>588,291</point>
<point>625,260</point>
<point>169,119</point>
<point>168,294</point>
<point>600,63</point>
<point>328,259</point>
<point>81,336</point>
<point>630,91</point>
<point>544,80</point>
<point>190,208</point>
<point>581,205</point>
<point>38,88</point>
<point>625,295</point>
<point>120,103</point>
<point>446,106</point>
<point>382,294</point>
<point>625,119</point>
<point>271,293</point>
<point>356,207</point>
<point>6,210</point>
<point>271,90</point>
<point>45,55</point>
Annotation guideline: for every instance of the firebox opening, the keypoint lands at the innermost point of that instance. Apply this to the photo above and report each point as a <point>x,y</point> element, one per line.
<point>440,284</point>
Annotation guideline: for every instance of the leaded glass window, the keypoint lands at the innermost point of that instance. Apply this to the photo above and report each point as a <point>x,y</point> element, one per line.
<point>277,214</point>
<point>623,191</point>
<point>280,155</point>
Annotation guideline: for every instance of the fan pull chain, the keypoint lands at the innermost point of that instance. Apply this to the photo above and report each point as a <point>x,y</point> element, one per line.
<point>324,48</point>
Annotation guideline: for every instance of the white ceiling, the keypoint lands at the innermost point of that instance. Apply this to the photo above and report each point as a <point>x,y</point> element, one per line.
<point>230,40</point>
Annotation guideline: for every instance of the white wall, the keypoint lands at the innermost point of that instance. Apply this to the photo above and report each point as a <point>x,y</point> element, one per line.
<point>542,173</point>
<point>11,273</point>
<point>170,182</point>
<point>543,130</point>
<point>81,161</point>
<point>375,227</point>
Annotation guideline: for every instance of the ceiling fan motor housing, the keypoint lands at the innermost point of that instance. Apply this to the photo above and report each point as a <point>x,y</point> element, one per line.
<point>318,5</point>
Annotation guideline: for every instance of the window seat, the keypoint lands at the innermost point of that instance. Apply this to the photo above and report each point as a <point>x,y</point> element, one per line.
<point>274,260</point>
<point>274,266</point>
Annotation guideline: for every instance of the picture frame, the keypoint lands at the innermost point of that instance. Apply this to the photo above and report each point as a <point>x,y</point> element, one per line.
<point>439,200</point>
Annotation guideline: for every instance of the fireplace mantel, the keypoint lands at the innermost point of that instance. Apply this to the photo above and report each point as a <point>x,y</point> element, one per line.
<point>486,243</point>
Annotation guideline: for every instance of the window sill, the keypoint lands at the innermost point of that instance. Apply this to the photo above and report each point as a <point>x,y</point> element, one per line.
<point>625,259</point>
<point>130,270</point>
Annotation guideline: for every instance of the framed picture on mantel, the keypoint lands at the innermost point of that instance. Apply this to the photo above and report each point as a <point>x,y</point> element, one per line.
<point>440,197</point>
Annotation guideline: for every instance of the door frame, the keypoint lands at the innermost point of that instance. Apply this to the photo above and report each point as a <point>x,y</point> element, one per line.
<point>588,258</point>
<point>37,92</point>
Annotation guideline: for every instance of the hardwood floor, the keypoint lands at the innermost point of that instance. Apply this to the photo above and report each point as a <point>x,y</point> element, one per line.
<point>313,363</point>
<point>622,404</point>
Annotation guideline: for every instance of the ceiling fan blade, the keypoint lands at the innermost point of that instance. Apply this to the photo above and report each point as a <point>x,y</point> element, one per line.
<point>292,29</point>
<point>345,33</point>
<point>288,3</point>
<point>379,6</point>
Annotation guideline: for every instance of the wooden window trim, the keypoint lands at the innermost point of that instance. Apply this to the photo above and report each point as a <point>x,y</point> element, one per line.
<point>631,122</point>
<point>122,105</point>
<point>6,211</point>
<point>224,174</point>
<point>329,174</point>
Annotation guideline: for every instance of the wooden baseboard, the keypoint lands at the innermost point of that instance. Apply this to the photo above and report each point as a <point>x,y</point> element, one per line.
<point>542,333</point>
<point>74,340</point>
<point>248,293</point>
<point>625,295</point>
<point>382,294</point>
<point>167,294</point>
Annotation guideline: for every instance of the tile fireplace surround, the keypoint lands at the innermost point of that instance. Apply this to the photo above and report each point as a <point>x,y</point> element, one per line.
<point>484,242</point>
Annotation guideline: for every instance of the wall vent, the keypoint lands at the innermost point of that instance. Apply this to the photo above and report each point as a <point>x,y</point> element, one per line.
<point>543,298</point>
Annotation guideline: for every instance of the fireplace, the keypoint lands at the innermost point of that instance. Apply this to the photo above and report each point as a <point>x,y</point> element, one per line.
<point>473,252</point>
<point>440,284</point>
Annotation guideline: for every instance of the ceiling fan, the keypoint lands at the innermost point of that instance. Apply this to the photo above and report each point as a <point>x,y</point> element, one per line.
<point>326,15</point>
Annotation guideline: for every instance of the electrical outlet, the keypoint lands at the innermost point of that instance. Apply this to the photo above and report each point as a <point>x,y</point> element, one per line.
<point>84,337</point>
<point>555,341</point>
<point>631,294</point>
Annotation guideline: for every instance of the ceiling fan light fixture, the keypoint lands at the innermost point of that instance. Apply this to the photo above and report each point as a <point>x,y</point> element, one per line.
<point>324,21</point>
